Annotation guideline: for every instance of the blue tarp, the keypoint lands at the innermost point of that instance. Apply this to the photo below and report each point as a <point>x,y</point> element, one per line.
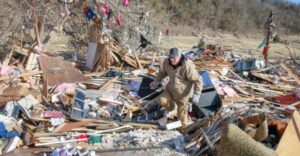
<point>5,134</point>
<point>206,80</point>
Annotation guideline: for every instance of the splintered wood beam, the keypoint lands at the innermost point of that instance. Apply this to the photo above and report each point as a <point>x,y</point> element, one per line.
<point>107,84</point>
<point>138,61</point>
<point>128,106</point>
<point>45,89</point>
<point>35,23</point>
<point>262,76</point>
<point>8,56</point>
<point>22,75</point>
<point>207,140</point>
<point>290,73</point>
<point>235,74</point>
<point>122,123</point>
<point>290,140</point>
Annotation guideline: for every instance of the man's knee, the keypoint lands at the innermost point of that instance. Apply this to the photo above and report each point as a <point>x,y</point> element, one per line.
<point>162,100</point>
<point>182,104</point>
<point>165,101</point>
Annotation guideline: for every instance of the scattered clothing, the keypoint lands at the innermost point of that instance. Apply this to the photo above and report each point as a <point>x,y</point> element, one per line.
<point>5,134</point>
<point>65,88</point>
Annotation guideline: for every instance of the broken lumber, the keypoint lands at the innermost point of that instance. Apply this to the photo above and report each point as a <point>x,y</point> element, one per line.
<point>59,71</point>
<point>290,141</point>
<point>107,84</point>
<point>132,108</point>
<point>60,142</point>
<point>21,75</point>
<point>137,125</point>
<point>8,56</point>
<point>290,73</point>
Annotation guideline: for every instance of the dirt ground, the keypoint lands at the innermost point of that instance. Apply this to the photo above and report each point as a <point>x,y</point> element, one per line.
<point>244,46</point>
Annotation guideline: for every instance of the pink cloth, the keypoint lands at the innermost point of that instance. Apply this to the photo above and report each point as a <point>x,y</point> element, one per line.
<point>65,88</point>
<point>104,9</point>
<point>6,70</point>
<point>53,114</point>
<point>125,3</point>
<point>226,90</point>
<point>220,90</point>
<point>119,19</point>
<point>229,91</point>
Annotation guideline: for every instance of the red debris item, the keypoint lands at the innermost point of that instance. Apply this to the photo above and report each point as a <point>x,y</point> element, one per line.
<point>106,9</point>
<point>287,99</point>
<point>167,31</point>
<point>83,136</point>
<point>119,19</point>
<point>280,126</point>
<point>53,114</point>
<point>85,10</point>
<point>264,51</point>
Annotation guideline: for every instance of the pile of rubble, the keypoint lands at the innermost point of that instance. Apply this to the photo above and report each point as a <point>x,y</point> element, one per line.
<point>245,108</point>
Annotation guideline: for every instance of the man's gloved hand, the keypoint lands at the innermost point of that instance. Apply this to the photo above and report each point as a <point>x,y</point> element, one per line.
<point>196,98</point>
<point>153,85</point>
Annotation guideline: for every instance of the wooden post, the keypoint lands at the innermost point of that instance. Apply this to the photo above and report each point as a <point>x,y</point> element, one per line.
<point>36,28</point>
<point>268,36</point>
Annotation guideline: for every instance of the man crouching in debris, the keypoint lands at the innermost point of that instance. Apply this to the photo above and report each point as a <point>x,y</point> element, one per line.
<point>184,83</point>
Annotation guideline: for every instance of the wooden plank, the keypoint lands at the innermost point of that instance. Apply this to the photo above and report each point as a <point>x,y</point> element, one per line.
<point>262,76</point>
<point>22,75</point>
<point>132,108</point>
<point>26,79</point>
<point>112,130</point>
<point>104,59</point>
<point>32,62</point>
<point>16,91</point>
<point>4,100</point>
<point>107,84</point>
<point>22,51</point>
<point>290,141</point>
<point>115,48</point>
<point>236,75</point>
<point>58,71</point>
<point>239,89</point>
<point>291,74</point>
<point>97,74</point>
<point>136,125</point>
<point>67,127</point>
<point>46,134</point>
<point>138,61</point>
<point>8,56</point>
<point>45,89</point>
<point>60,142</point>
<point>267,90</point>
